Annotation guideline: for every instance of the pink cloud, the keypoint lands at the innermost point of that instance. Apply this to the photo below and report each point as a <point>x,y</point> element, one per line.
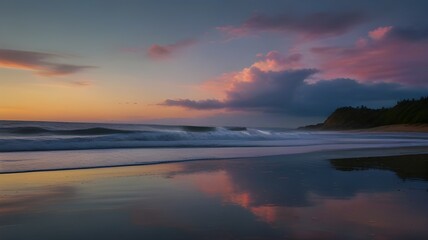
<point>390,56</point>
<point>272,61</point>
<point>361,42</point>
<point>40,63</point>
<point>281,84</point>
<point>157,51</point>
<point>275,61</point>
<point>380,32</point>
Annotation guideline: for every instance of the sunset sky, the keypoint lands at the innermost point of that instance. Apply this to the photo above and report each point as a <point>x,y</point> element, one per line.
<point>254,63</point>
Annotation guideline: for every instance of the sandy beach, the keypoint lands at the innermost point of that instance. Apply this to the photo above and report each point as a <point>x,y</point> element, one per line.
<point>300,196</point>
<point>415,128</point>
<point>123,181</point>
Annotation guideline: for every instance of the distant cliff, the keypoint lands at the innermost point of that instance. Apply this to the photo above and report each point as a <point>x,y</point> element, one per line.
<point>404,112</point>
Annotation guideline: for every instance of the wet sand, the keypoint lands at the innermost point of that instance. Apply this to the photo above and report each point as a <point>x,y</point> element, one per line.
<point>302,196</point>
<point>405,166</point>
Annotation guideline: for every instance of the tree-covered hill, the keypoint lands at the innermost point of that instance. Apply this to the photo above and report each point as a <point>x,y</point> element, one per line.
<point>404,112</point>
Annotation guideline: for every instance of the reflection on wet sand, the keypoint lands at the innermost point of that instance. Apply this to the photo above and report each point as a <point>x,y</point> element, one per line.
<point>361,215</point>
<point>29,201</point>
<point>18,204</point>
<point>264,198</point>
<point>406,166</point>
<point>218,183</point>
<point>16,181</point>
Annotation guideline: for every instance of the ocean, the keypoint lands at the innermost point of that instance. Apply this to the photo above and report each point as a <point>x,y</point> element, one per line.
<point>57,181</point>
<point>35,146</point>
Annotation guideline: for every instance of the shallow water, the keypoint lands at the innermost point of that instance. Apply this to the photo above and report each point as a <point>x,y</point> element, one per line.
<point>300,196</point>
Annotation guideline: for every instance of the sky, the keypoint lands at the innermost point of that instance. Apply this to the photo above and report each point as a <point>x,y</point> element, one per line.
<point>252,63</point>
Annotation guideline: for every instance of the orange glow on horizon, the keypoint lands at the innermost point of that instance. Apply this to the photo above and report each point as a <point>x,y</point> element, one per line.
<point>46,100</point>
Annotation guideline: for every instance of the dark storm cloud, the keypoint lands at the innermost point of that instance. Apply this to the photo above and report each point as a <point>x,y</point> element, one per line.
<point>409,33</point>
<point>287,92</point>
<point>325,96</point>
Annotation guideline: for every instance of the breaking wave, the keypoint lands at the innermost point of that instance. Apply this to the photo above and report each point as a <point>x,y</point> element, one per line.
<point>43,136</point>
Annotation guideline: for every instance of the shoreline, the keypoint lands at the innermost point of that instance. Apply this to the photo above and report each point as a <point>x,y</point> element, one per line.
<point>413,128</point>
<point>233,198</point>
<point>399,128</point>
<point>348,153</point>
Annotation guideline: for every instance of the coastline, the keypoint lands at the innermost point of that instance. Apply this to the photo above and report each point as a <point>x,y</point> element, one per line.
<point>400,128</point>
<point>228,199</point>
<point>350,153</point>
<point>414,128</point>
